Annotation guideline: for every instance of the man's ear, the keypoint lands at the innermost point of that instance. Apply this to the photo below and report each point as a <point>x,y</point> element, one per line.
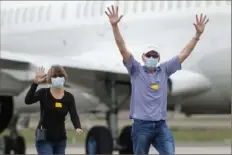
<point>143,57</point>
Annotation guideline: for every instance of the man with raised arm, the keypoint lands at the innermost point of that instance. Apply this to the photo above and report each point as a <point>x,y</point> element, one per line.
<point>148,106</point>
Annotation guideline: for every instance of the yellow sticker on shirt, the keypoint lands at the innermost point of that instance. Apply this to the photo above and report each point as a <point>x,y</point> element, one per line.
<point>58,105</point>
<point>155,86</point>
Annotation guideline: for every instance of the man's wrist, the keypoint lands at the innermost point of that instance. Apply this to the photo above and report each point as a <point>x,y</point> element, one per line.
<point>197,36</point>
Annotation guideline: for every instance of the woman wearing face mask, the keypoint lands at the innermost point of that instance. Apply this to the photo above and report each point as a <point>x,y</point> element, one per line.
<point>55,103</point>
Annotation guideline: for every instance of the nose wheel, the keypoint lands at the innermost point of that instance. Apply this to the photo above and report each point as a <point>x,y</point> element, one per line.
<point>105,140</point>
<point>125,141</point>
<point>99,141</point>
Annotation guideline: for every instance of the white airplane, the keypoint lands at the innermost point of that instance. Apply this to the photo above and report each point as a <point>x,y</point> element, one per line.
<point>77,35</point>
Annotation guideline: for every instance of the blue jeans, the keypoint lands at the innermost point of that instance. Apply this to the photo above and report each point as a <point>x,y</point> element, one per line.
<point>46,147</point>
<point>157,133</point>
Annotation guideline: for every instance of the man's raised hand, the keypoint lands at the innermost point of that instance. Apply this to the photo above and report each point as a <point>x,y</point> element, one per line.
<point>200,24</point>
<point>112,13</point>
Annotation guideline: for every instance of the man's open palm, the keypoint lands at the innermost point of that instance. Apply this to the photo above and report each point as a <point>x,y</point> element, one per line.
<point>200,23</point>
<point>113,15</point>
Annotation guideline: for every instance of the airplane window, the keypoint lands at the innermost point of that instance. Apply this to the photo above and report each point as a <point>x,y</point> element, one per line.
<point>178,5</point>
<point>217,3</point>
<point>40,14</point>
<point>198,3</point>
<point>25,15</point>
<point>125,7</point>
<point>86,8</point>
<point>93,8</point>
<point>17,13</point>
<point>10,16</point>
<point>32,14</point>
<point>48,13</point>
<point>228,3</point>
<point>170,5</point>
<point>208,3</point>
<point>63,13</point>
<point>3,14</point>
<point>78,10</point>
<point>188,4</point>
<point>144,6</point>
<point>161,6</point>
<point>102,8</point>
<point>153,6</point>
<point>135,7</point>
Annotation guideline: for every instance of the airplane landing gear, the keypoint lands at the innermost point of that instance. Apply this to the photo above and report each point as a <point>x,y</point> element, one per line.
<point>14,142</point>
<point>102,140</point>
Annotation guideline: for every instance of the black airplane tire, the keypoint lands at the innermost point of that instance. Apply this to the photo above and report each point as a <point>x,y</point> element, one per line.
<point>125,141</point>
<point>99,141</point>
<point>20,145</point>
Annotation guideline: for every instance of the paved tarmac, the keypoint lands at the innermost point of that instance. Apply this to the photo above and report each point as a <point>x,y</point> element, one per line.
<point>180,149</point>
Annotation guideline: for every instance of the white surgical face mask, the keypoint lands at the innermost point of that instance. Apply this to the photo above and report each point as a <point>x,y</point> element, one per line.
<point>151,62</point>
<point>58,82</point>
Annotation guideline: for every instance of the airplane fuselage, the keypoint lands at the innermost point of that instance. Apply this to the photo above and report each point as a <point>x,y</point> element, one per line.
<point>86,36</point>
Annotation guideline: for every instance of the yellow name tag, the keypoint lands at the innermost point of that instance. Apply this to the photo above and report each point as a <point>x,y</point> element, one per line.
<point>58,105</point>
<point>155,86</point>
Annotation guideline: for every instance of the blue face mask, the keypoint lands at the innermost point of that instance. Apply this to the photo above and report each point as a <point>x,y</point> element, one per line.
<point>151,62</point>
<point>58,82</point>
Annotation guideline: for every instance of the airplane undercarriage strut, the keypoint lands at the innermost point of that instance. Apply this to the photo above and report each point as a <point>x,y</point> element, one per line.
<point>112,115</point>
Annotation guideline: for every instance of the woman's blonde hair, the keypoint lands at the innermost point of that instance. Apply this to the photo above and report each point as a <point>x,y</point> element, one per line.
<point>56,71</point>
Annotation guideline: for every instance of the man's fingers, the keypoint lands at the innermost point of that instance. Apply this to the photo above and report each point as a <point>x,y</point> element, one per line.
<point>206,21</point>
<point>201,18</point>
<point>197,19</point>
<point>113,10</point>
<point>107,13</point>
<point>120,17</point>
<point>195,25</point>
<point>117,10</point>
<point>109,10</point>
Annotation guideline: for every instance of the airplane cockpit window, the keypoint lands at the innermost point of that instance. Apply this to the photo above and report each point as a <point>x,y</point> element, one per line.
<point>63,11</point>
<point>40,14</point>
<point>32,14</point>
<point>48,13</point>
<point>17,14</point>
<point>25,15</point>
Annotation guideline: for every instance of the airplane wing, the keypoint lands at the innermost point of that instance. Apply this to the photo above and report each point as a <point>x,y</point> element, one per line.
<point>182,83</point>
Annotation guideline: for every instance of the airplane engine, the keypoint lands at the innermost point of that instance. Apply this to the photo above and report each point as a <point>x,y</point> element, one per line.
<point>186,83</point>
